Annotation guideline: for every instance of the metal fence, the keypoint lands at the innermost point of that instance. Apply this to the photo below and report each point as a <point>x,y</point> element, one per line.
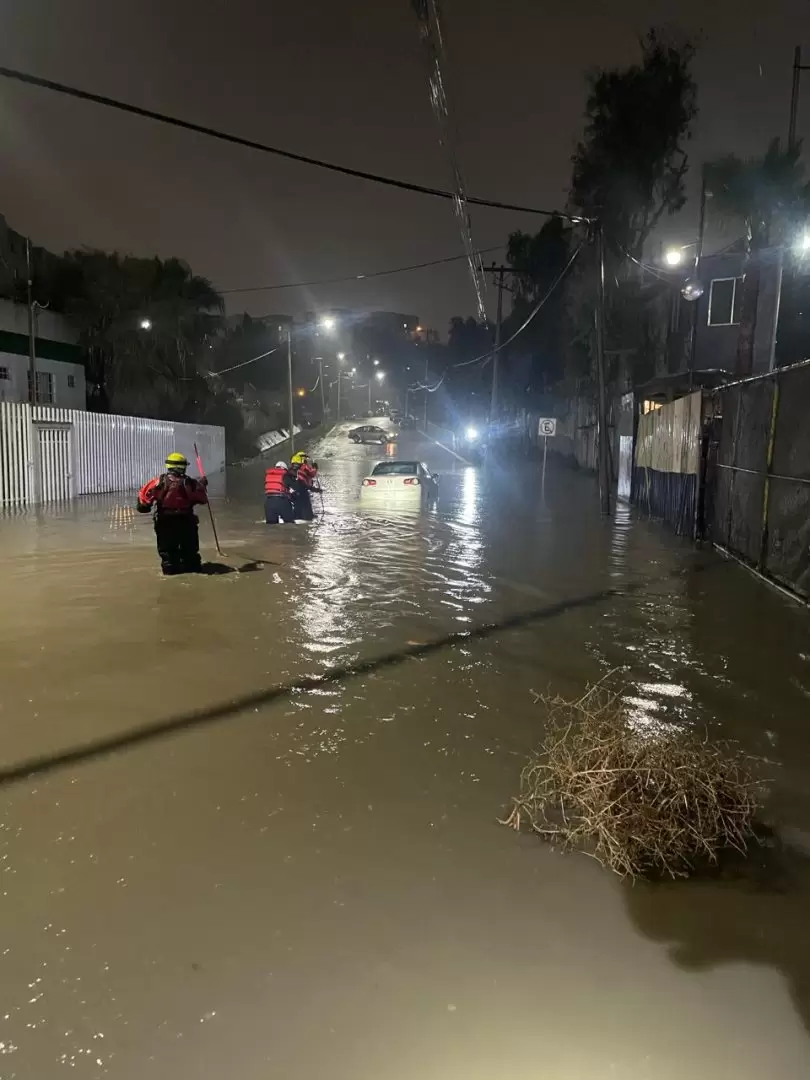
<point>668,462</point>
<point>49,454</point>
<point>758,475</point>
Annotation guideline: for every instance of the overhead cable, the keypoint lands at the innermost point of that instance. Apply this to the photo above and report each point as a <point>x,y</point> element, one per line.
<point>357,277</point>
<point>245,363</point>
<point>535,310</point>
<point>265,148</point>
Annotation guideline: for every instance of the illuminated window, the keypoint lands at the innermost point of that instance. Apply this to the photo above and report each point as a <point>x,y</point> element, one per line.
<point>725,296</point>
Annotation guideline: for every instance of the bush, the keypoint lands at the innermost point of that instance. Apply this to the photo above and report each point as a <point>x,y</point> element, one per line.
<point>643,804</point>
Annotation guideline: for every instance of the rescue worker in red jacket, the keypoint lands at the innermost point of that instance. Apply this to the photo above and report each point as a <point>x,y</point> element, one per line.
<point>279,488</point>
<point>174,496</point>
<point>305,473</point>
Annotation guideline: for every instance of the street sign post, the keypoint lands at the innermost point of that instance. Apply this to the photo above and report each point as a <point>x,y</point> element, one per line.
<point>547,427</point>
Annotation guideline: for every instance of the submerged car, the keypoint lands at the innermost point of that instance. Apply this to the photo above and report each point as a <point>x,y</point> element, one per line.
<point>370,434</point>
<point>409,483</point>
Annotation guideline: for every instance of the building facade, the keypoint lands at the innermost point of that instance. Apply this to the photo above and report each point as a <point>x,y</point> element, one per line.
<point>60,373</point>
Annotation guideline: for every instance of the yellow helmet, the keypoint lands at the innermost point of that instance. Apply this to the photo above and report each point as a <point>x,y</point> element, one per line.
<point>176,461</point>
<point>299,458</point>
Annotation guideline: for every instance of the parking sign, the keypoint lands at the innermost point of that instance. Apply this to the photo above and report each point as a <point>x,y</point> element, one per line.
<point>547,427</point>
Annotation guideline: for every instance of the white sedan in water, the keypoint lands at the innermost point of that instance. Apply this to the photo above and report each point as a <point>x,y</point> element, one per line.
<point>400,483</point>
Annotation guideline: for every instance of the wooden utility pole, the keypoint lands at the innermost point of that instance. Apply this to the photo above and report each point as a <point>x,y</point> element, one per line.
<point>427,375</point>
<point>798,68</point>
<point>496,355</point>
<point>602,428</point>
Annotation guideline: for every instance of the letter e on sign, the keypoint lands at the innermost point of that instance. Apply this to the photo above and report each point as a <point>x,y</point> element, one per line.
<point>547,427</point>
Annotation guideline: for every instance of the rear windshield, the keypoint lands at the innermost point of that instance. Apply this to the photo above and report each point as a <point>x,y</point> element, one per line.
<point>394,468</point>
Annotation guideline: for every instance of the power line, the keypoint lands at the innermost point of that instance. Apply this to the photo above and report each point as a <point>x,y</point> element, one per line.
<point>265,148</point>
<point>357,277</point>
<point>487,356</point>
<point>245,363</point>
<point>529,317</point>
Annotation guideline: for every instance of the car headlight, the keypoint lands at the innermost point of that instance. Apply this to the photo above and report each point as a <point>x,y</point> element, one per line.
<point>471,433</point>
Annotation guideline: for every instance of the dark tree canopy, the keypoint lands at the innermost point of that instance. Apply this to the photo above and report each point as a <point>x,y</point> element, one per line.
<point>630,166</point>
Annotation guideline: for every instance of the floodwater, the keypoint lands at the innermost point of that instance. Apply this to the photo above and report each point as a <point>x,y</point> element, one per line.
<point>311,885</point>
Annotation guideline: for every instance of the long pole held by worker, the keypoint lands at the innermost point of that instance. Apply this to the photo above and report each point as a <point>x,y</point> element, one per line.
<point>201,471</point>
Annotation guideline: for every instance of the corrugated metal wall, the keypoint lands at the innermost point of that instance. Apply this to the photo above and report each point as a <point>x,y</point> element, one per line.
<point>667,462</point>
<point>49,454</point>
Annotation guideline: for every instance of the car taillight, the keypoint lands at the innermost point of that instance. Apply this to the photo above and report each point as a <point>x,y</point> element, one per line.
<point>369,483</point>
<point>410,480</point>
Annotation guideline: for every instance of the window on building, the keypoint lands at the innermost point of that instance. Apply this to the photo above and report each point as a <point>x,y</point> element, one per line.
<point>44,387</point>
<point>5,373</point>
<point>725,296</point>
<point>72,382</point>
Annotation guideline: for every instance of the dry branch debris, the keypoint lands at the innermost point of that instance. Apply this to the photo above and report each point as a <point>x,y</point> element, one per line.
<point>643,804</point>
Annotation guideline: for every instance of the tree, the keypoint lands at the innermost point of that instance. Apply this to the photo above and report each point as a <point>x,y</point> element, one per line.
<point>237,346</point>
<point>628,173</point>
<point>538,260</point>
<point>159,370</point>
<point>769,195</point>
<point>630,166</point>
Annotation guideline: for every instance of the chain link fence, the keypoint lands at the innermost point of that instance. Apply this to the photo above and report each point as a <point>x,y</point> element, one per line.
<point>758,475</point>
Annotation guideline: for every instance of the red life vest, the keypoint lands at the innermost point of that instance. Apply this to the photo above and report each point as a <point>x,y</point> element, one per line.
<point>277,482</point>
<point>176,494</point>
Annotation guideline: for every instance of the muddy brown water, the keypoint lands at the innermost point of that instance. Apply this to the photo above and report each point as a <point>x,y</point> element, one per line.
<point>316,887</point>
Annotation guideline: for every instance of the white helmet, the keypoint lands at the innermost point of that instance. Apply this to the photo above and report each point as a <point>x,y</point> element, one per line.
<point>282,465</point>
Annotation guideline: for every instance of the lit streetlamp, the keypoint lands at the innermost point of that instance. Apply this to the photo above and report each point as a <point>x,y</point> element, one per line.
<point>145,324</point>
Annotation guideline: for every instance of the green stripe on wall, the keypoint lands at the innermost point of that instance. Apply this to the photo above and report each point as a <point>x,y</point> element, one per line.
<point>48,350</point>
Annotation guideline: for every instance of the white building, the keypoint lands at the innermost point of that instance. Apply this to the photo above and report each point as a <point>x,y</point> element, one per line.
<point>60,375</point>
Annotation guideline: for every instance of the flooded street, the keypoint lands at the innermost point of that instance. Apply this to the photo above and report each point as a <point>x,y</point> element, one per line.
<point>312,884</point>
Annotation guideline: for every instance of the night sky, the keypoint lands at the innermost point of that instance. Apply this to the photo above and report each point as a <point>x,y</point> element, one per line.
<point>343,80</point>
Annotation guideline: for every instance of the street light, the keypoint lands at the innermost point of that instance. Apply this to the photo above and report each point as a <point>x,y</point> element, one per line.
<point>376,363</point>
<point>341,356</point>
<point>145,324</point>
<point>673,256</point>
<point>328,323</point>
<point>803,243</point>
<point>380,375</point>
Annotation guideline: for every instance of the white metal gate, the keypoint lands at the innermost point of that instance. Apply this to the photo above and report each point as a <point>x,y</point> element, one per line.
<point>54,462</point>
<point>48,454</point>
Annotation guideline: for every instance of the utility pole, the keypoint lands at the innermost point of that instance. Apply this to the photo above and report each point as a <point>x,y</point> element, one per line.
<point>426,392</point>
<point>798,68</point>
<point>323,395</point>
<point>290,390</point>
<point>496,355</point>
<point>339,380</point>
<point>602,430</point>
<point>696,275</point>
<point>32,348</point>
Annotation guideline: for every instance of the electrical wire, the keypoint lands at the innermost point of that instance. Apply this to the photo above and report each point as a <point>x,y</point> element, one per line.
<point>491,352</point>
<point>245,363</point>
<point>265,148</point>
<point>358,277</point>
<point>487,356</point>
